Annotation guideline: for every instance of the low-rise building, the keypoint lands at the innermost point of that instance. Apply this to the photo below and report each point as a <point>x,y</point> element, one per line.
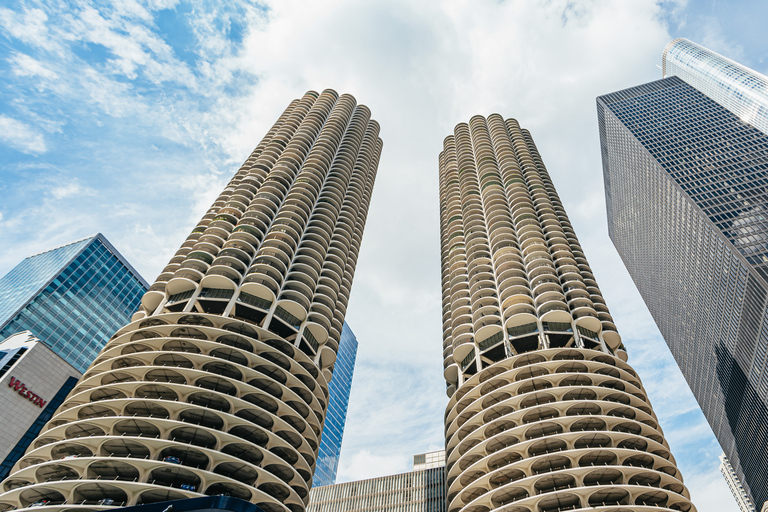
<point>421,490</point>
<point>34,381</point>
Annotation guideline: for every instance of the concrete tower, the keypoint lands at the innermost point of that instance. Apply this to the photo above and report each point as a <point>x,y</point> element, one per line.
<point>544,413</point>
<point>219,385</point>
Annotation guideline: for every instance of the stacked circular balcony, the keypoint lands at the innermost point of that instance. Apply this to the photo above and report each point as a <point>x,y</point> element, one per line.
<point>219,386</point>
<point>457,319</point>
<point>246,181</point>
<point>544,413</point>
<point>556,430</point>
<point>176,406</point>
<point>510,257</point>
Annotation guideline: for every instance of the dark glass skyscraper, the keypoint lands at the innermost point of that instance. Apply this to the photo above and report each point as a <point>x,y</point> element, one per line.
<point>338,400</point>
<point>74,297</point>
<point>685,183</point>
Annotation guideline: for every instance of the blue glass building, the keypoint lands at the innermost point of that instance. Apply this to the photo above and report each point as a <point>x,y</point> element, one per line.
<point>338,389</point>
<point>75,297</point>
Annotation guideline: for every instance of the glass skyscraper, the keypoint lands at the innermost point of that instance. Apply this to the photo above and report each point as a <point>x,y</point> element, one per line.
<point>686,191</point>
<point>336,417</point>
<point>74,297</point>
<point>738,88</point>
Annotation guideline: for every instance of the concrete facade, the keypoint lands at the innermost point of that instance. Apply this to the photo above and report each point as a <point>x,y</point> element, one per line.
<point>219,384</point>
<point>544,414</point>
<point>31,374</point>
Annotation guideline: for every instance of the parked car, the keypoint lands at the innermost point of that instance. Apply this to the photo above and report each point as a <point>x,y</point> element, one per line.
<point>106,501</point>
<point>172,459</point>
<point>71,457</point>
<point>40,503</point>
<point>188,487</point>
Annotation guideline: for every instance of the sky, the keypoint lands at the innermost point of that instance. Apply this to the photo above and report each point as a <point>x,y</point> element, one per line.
<point>128,118</point>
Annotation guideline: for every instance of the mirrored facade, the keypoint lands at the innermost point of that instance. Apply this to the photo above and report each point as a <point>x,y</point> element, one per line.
<point>74,297</point>
<point>686,187</point>
<point>336,417</point>
<point>741,90</point>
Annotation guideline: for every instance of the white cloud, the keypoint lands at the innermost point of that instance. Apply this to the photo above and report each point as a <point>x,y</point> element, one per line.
<point>710,492</point>
<point>29,26</point>
<point>365,464</point>
<point>24,65</point>
<point>21,136</point>
<point>73,188</point>
<point>713,37</point>
<point>421,67</point>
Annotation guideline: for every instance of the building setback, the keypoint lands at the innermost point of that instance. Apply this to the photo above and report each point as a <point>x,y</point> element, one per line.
<point>685,184</point>
<point>421,490</point>
<point>219,385</point>
<point>33,383</point>
<point>544,413</point>
<point>429,460</point>
<point>336,417</point>
<point>74,297</point>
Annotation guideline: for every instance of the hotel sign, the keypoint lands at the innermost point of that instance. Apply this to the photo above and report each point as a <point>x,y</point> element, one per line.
<point>21,388</point>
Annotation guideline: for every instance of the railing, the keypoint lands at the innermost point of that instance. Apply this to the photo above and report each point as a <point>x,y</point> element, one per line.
<point>178,297</point>
<point>587,333</point>
<point>255,301</point>
<point>552,305</point>
<point>550,469</point>
<point>216,293</point>
<point>558,326</point>
<point>522,330</point>
<point>468,360</point>
<point>491,341</point>
<point>555,488</point>
<point>311,340</point>
<point>483,323</point>
<point>287,317</point>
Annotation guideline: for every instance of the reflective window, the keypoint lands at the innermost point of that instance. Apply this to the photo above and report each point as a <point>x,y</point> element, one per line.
<point>73,298</point>
<point>338,389</point>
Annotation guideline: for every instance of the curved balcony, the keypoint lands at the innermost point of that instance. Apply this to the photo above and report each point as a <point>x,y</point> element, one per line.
<point>487,326</point>
<point>462,346</point>
<point>222,277</point>
<point>611,337</point>
<point>585,316</point>
<point>539,266</point>
<point>182,282</point>
<point>554,310</point>
<point>519,314</point>
<point>503,447</point>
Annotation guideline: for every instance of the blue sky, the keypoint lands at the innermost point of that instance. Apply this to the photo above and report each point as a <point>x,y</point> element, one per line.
<point>128,118</point>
